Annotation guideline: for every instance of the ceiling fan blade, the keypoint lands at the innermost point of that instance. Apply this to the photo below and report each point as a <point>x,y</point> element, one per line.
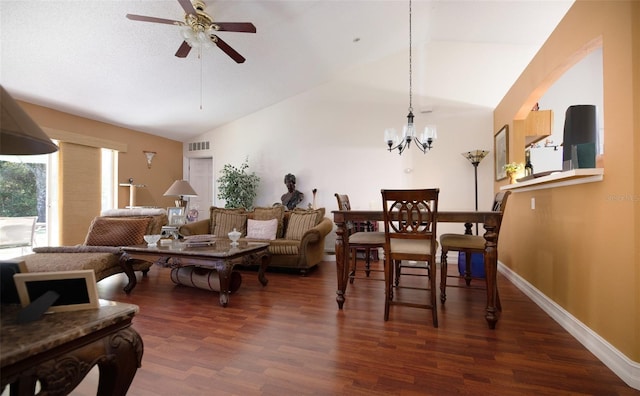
<point>143,18</point>
<point>242,27</point>
<point>184,49</point>
<point>228,50</point>
<point>187,6</point>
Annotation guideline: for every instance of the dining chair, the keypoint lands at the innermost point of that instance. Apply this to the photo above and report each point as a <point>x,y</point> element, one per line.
<point>361,238</point>
<point>467,244</point>
<point>410,219</point>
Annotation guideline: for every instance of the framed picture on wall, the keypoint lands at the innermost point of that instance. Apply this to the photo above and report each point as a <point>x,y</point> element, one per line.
<point>501,151</point>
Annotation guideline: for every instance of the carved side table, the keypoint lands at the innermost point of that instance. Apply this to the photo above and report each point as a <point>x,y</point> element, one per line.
<point>61,348</point>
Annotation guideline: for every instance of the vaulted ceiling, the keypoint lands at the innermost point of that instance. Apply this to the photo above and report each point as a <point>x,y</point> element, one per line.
<point>86,58</point>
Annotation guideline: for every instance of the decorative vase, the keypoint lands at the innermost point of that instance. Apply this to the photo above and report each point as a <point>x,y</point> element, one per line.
<point>512,177</point>
<point>234,236</point>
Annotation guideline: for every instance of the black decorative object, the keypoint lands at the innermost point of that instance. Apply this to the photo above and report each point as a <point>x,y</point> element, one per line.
<point>580,137</point>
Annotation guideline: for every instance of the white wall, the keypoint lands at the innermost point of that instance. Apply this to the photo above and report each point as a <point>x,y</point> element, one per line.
<point>331,138</point>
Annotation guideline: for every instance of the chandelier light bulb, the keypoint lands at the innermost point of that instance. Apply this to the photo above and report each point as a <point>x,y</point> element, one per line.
<point>391,137</point>
<point>408,131</point>
<point>430,132</point>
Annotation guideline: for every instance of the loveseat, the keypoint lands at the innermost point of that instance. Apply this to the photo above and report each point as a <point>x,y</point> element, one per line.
<point>295,237</point>
<point>101,249</point>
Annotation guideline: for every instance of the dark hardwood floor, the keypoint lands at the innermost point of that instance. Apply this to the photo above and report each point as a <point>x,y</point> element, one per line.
<point>289,338</point>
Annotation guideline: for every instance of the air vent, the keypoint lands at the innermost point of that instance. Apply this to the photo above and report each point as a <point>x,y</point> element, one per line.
<point>198,146</point>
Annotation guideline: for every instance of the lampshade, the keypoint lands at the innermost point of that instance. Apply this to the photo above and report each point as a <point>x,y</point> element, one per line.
<point>181,188</point>
<point>19,134</point>
<point>475,156</point>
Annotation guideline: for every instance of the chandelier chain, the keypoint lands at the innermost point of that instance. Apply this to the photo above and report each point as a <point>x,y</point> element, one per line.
<point>410,63</point>
<point>423,141</point>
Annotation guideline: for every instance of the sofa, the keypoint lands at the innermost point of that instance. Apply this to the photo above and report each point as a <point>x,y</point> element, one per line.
<point>101,251</point>
<point>296,237</point>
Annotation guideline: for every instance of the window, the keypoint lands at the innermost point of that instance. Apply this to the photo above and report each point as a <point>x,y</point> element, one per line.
<point>109,178</point>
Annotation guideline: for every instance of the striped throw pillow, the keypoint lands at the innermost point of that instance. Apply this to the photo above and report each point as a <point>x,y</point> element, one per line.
<point>226,222</point>
<point>299,224</point>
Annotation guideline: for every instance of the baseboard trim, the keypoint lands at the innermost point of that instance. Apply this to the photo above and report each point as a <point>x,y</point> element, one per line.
<point>329,256</point>
<point>625,368</point>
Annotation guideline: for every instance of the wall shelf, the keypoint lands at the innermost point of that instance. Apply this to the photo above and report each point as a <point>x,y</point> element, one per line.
<point>132,193</point>
<point>558,179</point>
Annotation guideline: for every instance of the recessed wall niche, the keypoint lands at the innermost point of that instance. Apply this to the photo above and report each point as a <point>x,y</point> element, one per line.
<point>581,84</point>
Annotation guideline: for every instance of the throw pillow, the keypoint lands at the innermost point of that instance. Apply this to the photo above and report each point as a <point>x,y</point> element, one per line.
<point>300,223</point>
<point>110,231</point>
<point>272,212</point>
<point>262,229</point>
<point>318,212</point>
<point>213,212</point>
<point>155,222</point>
<point>226,222</point>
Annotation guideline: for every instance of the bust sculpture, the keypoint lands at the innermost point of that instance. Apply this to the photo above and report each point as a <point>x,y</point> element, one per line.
<point>292,197</point>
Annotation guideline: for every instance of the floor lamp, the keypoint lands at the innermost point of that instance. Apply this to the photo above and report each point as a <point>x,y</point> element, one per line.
<point>475,157</point>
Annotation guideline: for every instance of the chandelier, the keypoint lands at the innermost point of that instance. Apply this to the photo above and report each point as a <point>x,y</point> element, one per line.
<point>425,140</point>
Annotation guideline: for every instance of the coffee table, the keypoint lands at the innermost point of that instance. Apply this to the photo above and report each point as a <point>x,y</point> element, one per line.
<point>221,256</point>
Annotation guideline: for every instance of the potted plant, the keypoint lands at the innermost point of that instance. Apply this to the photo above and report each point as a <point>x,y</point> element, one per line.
<point>511,170</point>
<point>237,187</point>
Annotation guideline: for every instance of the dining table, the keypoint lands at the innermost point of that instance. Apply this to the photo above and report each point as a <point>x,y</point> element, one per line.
<point>489,219</point>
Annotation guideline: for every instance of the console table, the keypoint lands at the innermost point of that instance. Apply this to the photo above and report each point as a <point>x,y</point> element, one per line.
<point>61,348</point>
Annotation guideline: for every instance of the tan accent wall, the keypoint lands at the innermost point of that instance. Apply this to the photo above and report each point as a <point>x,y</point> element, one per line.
<point>165,169</point>
<point>580,245</point>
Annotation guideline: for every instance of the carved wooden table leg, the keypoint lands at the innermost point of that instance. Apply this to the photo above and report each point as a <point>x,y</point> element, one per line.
<point>127,267</point>
<point>224,268</point>
<point>342,266</point>
<point>124,350</point>
<point>265,260</point>
<point>491,269</point>
<point>118,355</point>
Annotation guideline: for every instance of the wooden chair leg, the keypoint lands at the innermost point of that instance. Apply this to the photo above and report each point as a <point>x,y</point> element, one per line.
<point>467,269</point>
<point>434,303</point>
<point>367,268</point>
<point>398,269</point>
<point>353,259</point>
<point>443,276</point>
<point>388,273</point>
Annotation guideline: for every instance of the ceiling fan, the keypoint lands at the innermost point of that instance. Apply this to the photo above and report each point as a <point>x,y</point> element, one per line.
<point>198,29</point>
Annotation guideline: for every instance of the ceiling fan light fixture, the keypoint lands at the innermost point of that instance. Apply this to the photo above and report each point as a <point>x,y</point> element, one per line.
<point>198,30</point>
<point>196,38</point>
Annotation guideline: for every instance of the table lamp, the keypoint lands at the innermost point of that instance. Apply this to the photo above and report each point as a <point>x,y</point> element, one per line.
<point>181,189</point>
